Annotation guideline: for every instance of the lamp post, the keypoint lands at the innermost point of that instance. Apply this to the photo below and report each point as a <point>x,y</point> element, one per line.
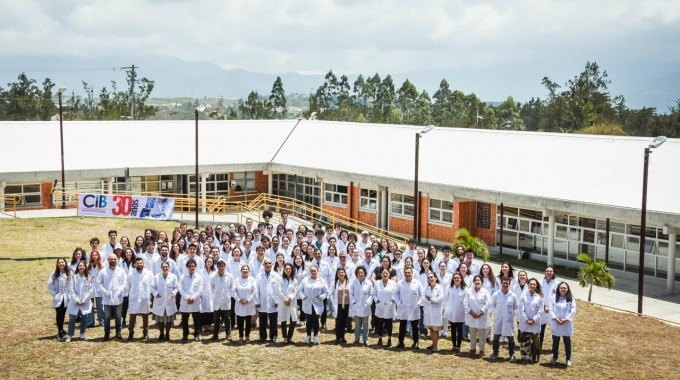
<point>196,174</point>
<point>416,197</point>
<point>60,91</point>
<point>643,217</point>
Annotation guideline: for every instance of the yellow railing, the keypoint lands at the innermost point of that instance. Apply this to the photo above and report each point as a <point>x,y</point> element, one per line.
<point>10,203</point>
<point>314,213</point>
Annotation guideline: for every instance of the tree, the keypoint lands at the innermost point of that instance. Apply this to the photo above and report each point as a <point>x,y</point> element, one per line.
<point>277,99</point>
<point>384,99</point>
<point>508,111</point>
<point>422,111</point>
<point>603,129</point>
<point>595,273</point>
<point>465,238</point>
<point>441,109</point>
<point>407,96</point>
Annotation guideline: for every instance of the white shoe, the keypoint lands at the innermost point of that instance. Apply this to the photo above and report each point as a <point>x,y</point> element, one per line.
<point>307,339</point>
<point>82,337</point>
<point>316,340</point>
<point>68,339</point>
<point>568,363</point>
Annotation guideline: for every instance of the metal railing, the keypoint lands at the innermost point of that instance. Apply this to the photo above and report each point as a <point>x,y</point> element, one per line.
<point>9,203</point>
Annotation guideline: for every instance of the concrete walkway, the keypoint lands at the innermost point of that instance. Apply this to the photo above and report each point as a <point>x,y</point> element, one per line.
<point>656,302</point>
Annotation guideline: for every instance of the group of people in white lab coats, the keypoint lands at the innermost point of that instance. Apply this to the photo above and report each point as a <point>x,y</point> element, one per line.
<point>250,275</point>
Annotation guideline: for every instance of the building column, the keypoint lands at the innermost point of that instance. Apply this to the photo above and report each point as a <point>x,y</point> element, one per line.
<point>672,241</point>
<point>382,219</point>
<point>110,185</point>
<point>204,178</point>
<point>2,195</point>
<point>551,235</point>
<point>270,183</point>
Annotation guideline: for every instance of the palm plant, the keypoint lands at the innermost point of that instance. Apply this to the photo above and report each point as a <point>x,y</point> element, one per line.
<point>465,238</point>
<point>594,273</point>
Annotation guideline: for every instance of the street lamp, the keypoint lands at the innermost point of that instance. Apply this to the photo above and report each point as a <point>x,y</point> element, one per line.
<point>505,125</point>
<point>60,91</point>
<point>416,198</point>
<point>643,217</point>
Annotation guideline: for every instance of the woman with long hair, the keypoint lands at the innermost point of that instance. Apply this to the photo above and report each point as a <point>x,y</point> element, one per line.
<point>360,295</point>
<point>164,290</point>
<point>340,297</point>
<point>59,286</point>
<point>384,291</point>
<point>245,294</point>
<point>549,287</point>
<point>139,245</point>
<point>454,309</point>
<point>432,308</point>
<point>563,311</point>
<point>313,291</point>
<point>477,303</point>
<point>80,300</point>
<point>300,274</point>
<point>94,267</point>
<point>77,256</point>
<point>530,309</point>
<point>287,313</point>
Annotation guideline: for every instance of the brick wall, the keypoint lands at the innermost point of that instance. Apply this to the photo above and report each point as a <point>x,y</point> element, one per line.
<point>401,225</point>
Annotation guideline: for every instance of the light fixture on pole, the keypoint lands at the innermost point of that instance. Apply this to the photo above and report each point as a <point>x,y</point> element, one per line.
<point>60,91</point>
<point>643,217</point>
<point>416,197</point>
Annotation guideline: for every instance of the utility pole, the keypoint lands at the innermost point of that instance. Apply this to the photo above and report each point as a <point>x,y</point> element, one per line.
<point>133,80</point>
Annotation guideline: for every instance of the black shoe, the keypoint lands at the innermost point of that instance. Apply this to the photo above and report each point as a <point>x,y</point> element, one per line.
<point>400,345</point>
<point>130,337</point>
<point>415,346</point>
<point>380,342</point>
<point>161,337</point>
<point>119,337</point>
<point>185,338</point>
<point>106,338</point>
<point>343,340</point>
<point>145,338</point>
<point>167,337</point>
<point>214,338</point>
<point>389,342</point>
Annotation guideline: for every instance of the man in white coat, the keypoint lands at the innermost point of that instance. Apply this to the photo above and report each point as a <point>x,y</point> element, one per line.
<point>222,285</point>
<point>139,284</point>
<point>111,283</point>
<point>409,295</point>
<point>505,306</point>
<point>191,289</point>
<point>267,300</point>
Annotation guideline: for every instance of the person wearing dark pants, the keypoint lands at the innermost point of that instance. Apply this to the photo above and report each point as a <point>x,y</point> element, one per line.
<point>111,283</point>
<point>267,300</point>
<point>232,313</point>
<point>244,324</point>
<point>59,285</point>
<point>384,291</point>
<point>245,292</point>
<point>562,310</point>
<point>340,296</point>
<point>313,291</point>
<point>221,285</point>
<point>409,294</point>
<point>191,288</point>
<point>505,306</point>
<point>287,307</point>
<point>402,333</point>
<point>454,309</point>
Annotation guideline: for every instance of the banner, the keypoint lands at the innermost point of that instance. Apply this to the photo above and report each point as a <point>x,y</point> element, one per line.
<point>125,206</point>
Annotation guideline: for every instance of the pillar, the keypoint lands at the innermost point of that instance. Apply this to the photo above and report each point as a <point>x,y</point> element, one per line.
<point>672,241</point>
<point>551,236</point>
<point>2,195</point>
<point>110,185</point>
<point>204,197</point>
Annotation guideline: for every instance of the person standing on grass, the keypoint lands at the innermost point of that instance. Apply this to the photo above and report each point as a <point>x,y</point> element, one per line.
<point>530,309</point>
<point>267,300</point>
<point>111,283</point>
<point>222,286</point>
<point>287,309</point>
<point>59,284</point>
<point>549,288</point>
<point>340,295</point>
<point>477,302</point>
<point>80,300</point>
<point>384,292</point>
<point>505,305</point>
<point>313,290</point>
<point>360,300</point>
<point>432,308</point>
<point>165,288</point>
<point>95,266</point>
<point>139,284</point>
<point>191,289</point>
<point>563,311</point>
<point>454,309</point>
<point>245,293</point>
<point>409,294</point>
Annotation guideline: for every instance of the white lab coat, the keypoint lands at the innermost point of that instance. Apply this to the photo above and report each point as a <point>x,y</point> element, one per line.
<point>408,298</point>
<point>432,308</point>
<point>139,287</point>
<point>207,295</point>
<point>563,310</point>
<point>268,291</point>
<point>190,286</point>
<point>94,273</point>
<point>313,292</point>
<point>334,294</point>
<point>59,289</point>
<point>530,308</point>
<point>360,298</point>
<point>82,290</point>
<point>548,289</point>
<point>222,291</point>
<point>234,267</point>
<point>256,266</point>
<point>454,308</point>
<point>112,285</point>
<point>383,295</point>
<point>505,307</point>
<point>245,289</point>
<point>164,291</point>
<point>157,267</point>
<point>182,265</point>
<point>477,301</point>
<point>289,289</point>
<point>150,260</point>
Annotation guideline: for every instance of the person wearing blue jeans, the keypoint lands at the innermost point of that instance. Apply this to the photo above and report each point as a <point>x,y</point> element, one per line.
<point>562,310</point>
<point>72,325</point>
<point>101,315</point>
<point>361,299</point>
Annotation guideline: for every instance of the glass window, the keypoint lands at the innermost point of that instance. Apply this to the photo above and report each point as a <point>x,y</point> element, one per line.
<point>401,205</point>
<point>368,199</point>
<point>243,181</point>
<point>335,194</point>
<point>441,211</point>
<point>483,215</point>
<point>30,194</point>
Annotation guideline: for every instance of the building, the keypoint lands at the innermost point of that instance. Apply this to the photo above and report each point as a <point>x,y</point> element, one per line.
<point>552,195</point>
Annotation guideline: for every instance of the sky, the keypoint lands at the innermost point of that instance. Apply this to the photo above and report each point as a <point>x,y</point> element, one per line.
<point>498,42</point>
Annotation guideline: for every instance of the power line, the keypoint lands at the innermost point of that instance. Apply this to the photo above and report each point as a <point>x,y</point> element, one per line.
<point>46,69</point>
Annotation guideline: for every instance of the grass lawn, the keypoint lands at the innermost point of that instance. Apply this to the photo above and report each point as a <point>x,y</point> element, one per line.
<point>606,344</point>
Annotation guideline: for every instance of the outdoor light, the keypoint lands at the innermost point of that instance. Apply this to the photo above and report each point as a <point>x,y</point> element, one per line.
<point>416,198</point>
<point>657,142</point>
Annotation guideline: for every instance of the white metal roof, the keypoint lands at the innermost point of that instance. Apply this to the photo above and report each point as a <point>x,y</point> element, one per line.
<point>594,170</point>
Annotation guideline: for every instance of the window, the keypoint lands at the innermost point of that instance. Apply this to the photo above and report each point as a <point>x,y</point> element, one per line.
<point>483,215</point>
<point>215,184</point>
<point>73,187</point>
<point>305,189</point>
<point>153,183</point>
<point>441,211</point>
<point>335,194</point>
<point>401,205</point>
<point>368,199</point>
<point>30,194</point>
<point>244,181</point>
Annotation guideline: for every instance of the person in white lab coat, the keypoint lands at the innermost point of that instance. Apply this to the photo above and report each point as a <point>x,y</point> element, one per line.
<point>222,288</point>
<point>549,288</point>
<point>287,309</point>
<point>563,311</point>
<point>59,285</point>
<point>313,290</point>
<point>454,309</point>
<point>444,278</point>
<point>384,291</point>
<point>477,302</point>
<point>505,306</point>
<point>111,283</point>
<point>245,293</point>
<point>80,300</point>
<point>207,315</point>
<point>190,289</point>
<point>409,293</point>
<point>530,309</point>
<point>360,296</point>
<point>340,295</point>
<point>139,284</point>
<point>267,300</point>
<point>432,308</point>
<point>165,288</point>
